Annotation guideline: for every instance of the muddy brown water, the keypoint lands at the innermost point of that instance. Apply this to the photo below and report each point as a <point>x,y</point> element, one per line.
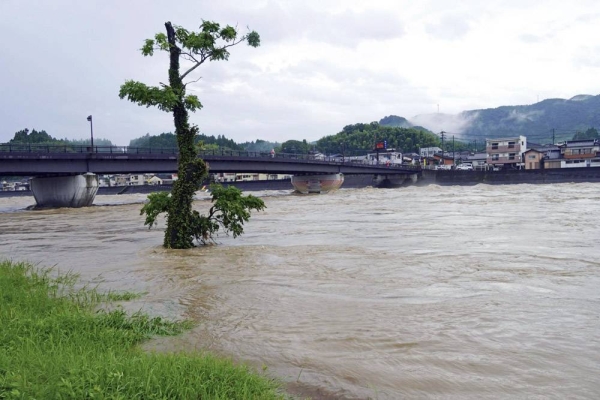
<point>421,292</point>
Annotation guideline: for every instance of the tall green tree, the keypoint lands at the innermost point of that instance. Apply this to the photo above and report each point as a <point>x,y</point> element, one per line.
<point>211,43</point>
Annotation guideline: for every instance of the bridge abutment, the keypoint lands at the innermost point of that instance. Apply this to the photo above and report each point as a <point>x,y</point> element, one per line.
<point>65,191</point>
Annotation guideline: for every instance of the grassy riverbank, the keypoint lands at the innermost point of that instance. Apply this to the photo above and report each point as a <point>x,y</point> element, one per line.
<point>55,344</point>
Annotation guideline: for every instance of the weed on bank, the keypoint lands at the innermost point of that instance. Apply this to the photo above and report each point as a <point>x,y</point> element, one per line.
<point>55,344</point>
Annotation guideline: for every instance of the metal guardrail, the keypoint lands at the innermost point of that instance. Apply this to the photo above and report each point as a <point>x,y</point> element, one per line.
<point>126,150</point>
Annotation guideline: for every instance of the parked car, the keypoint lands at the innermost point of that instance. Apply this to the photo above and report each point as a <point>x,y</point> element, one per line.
<point>465,167</point>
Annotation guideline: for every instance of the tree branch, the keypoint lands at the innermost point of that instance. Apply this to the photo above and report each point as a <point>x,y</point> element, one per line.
<point>185,84</point>
<point>198,63</point>
<point>190,55</point>
<point>205,56</point>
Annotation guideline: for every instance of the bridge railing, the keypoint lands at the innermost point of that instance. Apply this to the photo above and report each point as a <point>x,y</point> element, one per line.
<point>53,148</point>
<point>66,148</point>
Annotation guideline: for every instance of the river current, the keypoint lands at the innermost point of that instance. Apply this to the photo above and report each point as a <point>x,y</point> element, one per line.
<point>453,292</point>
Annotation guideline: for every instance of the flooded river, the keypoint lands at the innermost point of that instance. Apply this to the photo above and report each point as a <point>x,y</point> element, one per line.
<point>421,292</point>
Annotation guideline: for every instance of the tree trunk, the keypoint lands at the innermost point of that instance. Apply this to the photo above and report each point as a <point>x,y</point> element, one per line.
<point>190,170</point>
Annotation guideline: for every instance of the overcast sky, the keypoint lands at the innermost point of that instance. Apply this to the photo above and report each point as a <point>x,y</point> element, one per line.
<point>321,65</point>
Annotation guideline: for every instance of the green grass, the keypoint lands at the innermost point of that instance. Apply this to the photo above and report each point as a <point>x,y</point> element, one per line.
<point>55,344</point>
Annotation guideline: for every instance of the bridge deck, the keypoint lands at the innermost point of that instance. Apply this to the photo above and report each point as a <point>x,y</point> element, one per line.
<point>30,160</point>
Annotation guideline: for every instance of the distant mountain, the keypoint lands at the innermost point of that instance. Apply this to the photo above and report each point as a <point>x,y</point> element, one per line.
<point>539,122</point>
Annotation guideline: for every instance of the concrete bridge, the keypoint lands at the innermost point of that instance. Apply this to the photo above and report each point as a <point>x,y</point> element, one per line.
<point>58,169</point>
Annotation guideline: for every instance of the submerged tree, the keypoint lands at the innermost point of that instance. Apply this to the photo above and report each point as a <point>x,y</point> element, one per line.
<point>210,43</point>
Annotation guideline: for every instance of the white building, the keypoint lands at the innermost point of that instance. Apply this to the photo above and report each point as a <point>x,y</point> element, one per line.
<point>429,151</point>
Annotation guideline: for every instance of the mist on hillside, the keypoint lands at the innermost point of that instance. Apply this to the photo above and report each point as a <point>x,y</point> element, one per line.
<point>451,124</point>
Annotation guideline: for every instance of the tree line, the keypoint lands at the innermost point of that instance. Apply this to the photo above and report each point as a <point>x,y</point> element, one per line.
<point>355,138</point>
<point>25,136</point>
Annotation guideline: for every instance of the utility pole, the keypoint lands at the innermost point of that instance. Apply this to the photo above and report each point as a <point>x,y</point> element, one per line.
<point>553,137</point>
<point>453,152</point>
<point>442,135</point>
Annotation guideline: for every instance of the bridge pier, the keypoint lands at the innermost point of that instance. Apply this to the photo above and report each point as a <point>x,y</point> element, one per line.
<point>65,191</point>
<point>394,180</point>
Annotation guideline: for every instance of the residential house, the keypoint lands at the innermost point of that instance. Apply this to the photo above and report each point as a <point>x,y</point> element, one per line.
<point>135,180</point>
<point>443,159</point>
<point>429,151</point>
<point>224,177</point>
<point>506,152</point>
<point>121,180</point>
<point>7,186</point>
<point>580,153</point>
<point>541,156</point>
<point>106,181</point>
<point>477,160</point>
<point>552,159</point>
<point>147,178</point>
<point>154,180</point>
<point>246,176</point>
<point>165,179</point>
<point>273,177</point>
<point>533,159</point>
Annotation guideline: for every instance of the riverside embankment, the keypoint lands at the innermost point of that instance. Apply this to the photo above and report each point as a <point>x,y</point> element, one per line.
<point>533,176</point>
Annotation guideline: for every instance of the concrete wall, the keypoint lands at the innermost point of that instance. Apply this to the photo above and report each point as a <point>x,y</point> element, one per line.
<point>454,177</point>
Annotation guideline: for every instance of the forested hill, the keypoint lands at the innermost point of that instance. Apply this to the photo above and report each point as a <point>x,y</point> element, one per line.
<point>539,122</point>
<point>353,138</point>
<point>362,137</point>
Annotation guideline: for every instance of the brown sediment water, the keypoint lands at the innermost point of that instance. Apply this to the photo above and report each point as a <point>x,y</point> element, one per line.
<point>420,292</point>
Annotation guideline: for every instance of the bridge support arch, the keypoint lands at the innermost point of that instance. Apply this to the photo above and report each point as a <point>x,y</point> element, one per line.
<point>65,191</point>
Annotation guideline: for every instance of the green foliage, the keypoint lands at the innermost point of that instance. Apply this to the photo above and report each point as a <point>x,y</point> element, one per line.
<point>295,146</point>
<point>35,137</point>
<point>395,121</point>
<point>362,137</point>
<point>203,45</point>
<point>164,98</point>
<point>24,136</point>
<point>164,140</point>
<point>157,204</point>
<point>260,145</point>
<point>229,211</point>
<point>208,147</point>
<point>591,133</point>
<point>212,42</point>
<point>169,140</point>
<point>57,343</point>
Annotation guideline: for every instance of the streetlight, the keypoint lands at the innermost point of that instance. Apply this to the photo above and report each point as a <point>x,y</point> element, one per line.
<point>89,118</point>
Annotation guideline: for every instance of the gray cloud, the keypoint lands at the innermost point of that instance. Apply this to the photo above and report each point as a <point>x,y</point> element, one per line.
<point>588,56</point>
<point>295,21</point>
<point>449,27</point>
<point>63,60</point>
<point>529,38</point>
